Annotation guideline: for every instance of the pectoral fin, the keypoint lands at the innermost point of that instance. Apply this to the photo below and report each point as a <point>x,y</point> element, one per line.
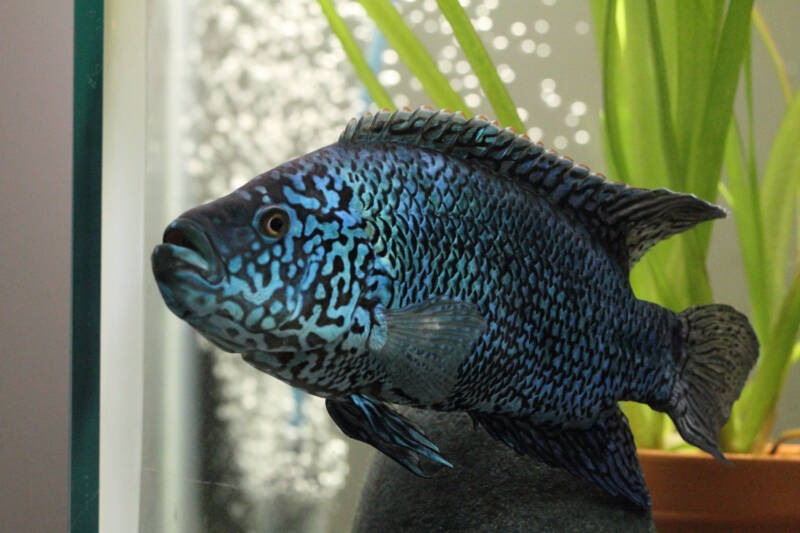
<point>422,346</point>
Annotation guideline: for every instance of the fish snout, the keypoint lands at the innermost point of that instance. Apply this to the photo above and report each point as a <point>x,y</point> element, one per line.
<point>186,246</point>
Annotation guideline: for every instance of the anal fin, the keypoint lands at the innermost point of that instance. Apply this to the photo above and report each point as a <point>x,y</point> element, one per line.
<point>603,453</point>
<point>375,423</point>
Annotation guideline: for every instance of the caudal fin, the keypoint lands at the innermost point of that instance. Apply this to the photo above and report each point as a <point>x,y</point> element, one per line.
<point>719,349</point>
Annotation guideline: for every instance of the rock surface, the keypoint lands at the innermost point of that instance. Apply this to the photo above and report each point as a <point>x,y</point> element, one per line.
<point>490,488</point>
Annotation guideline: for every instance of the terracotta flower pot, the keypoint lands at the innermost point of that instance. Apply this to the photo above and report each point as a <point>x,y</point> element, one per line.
<point>694,492</point>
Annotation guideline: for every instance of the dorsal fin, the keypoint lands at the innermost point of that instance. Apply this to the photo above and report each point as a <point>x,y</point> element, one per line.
<point>627,220</point>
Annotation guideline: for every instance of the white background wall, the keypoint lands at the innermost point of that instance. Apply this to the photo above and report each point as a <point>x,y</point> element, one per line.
<point>35,241</point>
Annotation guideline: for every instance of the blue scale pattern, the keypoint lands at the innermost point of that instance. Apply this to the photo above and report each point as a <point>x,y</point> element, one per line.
<point>564,340</point>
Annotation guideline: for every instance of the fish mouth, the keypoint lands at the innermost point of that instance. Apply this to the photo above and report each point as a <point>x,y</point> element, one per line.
<point>186,247</point>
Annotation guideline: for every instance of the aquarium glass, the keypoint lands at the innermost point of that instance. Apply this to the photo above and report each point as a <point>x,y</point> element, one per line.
<point>230,89</point>
<point>235,88</point>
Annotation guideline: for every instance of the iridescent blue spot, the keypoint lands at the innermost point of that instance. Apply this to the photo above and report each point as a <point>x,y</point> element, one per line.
<point>275,282</point>
<point>347,218</point>
<point>309,277</point>
<point>234,309</point>
<point>255,276</point>
<point>331,197</point>
<point>288,254</point>
<point>311,243</point>
<point>317,254</point>
<point>298,199</point>
<point>268,323</point>
<point>319,294</point>
<point>235,264</point>
<point>291,303</point>
<point>298,181</point>
<point>254,316</point>
<point>330,230</point>
<point>310,225</point>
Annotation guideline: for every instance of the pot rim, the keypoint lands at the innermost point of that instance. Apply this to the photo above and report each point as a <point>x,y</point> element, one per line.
<point>785,452</point>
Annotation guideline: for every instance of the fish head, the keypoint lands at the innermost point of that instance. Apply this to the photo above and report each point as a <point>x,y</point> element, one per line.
<point>279,265</point>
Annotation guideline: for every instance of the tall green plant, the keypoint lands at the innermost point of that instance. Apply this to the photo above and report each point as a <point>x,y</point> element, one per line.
<point>669,121</point>
<point>768,203</point>
<point>671,71</point>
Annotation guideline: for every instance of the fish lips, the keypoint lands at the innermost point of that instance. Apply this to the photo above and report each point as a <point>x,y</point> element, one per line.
<point>186,248</point>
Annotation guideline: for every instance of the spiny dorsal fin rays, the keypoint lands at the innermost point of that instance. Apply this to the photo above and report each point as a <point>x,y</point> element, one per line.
<point>626,220</point>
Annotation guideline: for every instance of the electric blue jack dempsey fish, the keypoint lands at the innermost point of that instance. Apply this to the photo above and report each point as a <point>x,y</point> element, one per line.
<point>445,263</point>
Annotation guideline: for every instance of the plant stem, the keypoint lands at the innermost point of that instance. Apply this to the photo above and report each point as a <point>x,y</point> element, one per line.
<point>360,65</point>
<point>610,46</point>
<point>482,65</point>
<point>670,145</point>
<point>759,396</point>
<point>777,60</point>
<point>413,54</point>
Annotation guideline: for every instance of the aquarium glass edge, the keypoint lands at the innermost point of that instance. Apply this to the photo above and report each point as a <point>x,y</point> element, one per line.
<point>86,204</point>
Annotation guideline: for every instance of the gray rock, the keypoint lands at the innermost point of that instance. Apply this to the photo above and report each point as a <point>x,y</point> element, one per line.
<point>490,488</point>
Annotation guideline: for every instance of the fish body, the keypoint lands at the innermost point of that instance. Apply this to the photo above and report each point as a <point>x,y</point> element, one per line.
<point>443,262</point>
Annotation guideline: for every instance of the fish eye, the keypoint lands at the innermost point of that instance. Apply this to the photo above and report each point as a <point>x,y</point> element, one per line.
<point>274,223</point>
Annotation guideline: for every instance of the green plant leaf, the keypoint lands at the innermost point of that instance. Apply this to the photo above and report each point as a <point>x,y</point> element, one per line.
<point>618,83</point>
<point>482,65</point>
<point>670,72</point>
<point>661,89</point>
<point>761,393</point>
<point>635,127</point>
<point>606,22</point>
<point>748,218</point>
<point>779,186</point>
<point>667,296</point>
<point>708,139</point>
<point>413,54</point>
<point>640,134</point>
<point>376,90</point>
<point>706,148</point>
<point>645,423</point>
<point>777,60</point>
<point>694,25</point>
<point>778,201</point>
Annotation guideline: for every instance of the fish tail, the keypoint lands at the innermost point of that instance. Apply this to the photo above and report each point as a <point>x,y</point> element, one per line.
<point>718,350</point>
